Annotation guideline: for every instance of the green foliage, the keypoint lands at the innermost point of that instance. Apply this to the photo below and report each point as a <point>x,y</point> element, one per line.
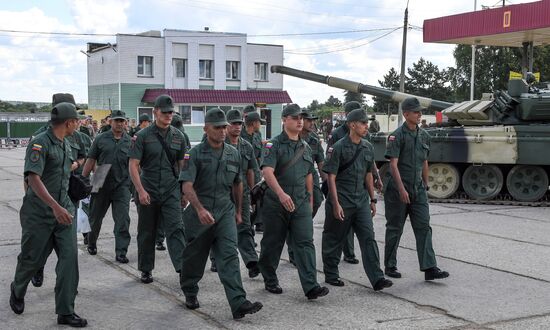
<point>333,102</point>
<point>326,111</point>
<point>352,96</point>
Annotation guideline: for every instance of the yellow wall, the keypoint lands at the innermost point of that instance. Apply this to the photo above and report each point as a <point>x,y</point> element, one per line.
<point>97,114</point>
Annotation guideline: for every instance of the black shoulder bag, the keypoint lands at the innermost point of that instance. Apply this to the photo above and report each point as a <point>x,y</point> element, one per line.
<point>324,185</point>
<point>168,155</point>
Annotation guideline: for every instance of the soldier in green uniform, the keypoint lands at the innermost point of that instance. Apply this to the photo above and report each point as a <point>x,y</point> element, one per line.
<point>288,171</point>
<point>351,202</point>
<point>211,181</point>
<point>107,125</point>
<point>144,121</point>
<point>407,180</point>
<point>158,151</point>
<point>337,134</point>
<point>47,215</point>
<point>318,154</point>
<point>249,165</point>
<point>111,148</point>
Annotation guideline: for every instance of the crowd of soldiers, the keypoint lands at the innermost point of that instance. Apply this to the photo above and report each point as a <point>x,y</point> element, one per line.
<point>199,199</point>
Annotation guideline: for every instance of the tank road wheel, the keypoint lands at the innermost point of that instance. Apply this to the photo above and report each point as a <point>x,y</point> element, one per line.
<point>527,183</point>
<point>443,180</point>
<point>482,182</point>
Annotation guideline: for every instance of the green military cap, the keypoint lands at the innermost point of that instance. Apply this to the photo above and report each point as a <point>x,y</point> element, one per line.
<point>309,115</point>
<point>234,116</point>
<point>177,121</point>
<point>249,108</point>
<point>292,110</point>
<point>372,117</point>
<point>63,97</point>
<point>253,116</point>
<point>215,117</point>
<point>144,117</point>
<point>63,111</point>
<point>357,115</point>
<point>165,103</point>
<point>411,104</point>
<point>118,114</point>
<point>351,105</point>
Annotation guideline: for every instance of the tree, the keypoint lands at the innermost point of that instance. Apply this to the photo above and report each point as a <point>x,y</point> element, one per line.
<point>391,81</point>
<point>325,111</point>
<point>313,106</point>
<point>333,102</point>
<point>352,96</point>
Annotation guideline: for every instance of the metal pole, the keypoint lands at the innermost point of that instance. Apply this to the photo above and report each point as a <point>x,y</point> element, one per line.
<point>531,55</point>
<point>403,56</point>
<point>473,64</point>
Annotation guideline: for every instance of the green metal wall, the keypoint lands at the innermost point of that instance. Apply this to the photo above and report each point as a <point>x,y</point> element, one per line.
<point>20,129</point>
<point>131,95</point>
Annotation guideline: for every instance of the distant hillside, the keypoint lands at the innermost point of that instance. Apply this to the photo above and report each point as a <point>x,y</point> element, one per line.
<point>32,107</point>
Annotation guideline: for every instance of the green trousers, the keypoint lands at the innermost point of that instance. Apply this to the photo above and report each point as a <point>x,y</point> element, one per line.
<point>119,200</point>
<point>419,213</point>
<point>160,230</point>
<point>168,212</point>
<point>278,223</point>
<point>245,237</point>
<point>335,233</point>
<point>221,237</point>
<point>349,245</point>
<point>40,235</point>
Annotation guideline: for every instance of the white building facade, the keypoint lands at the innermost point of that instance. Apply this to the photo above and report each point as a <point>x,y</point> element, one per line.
<point>199,69</point>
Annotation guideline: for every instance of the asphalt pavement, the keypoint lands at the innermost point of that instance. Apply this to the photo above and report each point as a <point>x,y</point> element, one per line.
<point>498,258</point>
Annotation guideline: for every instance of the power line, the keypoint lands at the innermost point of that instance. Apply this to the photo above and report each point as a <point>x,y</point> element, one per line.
<point>347,48</point>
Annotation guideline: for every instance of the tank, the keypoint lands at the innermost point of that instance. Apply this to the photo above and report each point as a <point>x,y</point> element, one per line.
<point>493,149</point>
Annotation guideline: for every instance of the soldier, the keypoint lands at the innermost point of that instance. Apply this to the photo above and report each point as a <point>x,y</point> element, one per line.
<point>288,170</point>
<point>251,133</point>
<point>374,126</point>
<point>158,151</point>
<point>107,125</point>
<point>351,202</point>
<point>112,148</point>
<point>47,215</point>
<point>211,181</point>
<point>144,121</point>
<point>245,233</point>
<point>337,134</point>
<point>406,192</point>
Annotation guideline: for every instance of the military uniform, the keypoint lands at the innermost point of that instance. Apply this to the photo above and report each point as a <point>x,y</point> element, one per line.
<point>158,179</point>
<point>213,173</point>
<point>278,222</point>
<point>411,148</point>
<point>115,192</point>
<point>51,159</point>
<point>354,199</point>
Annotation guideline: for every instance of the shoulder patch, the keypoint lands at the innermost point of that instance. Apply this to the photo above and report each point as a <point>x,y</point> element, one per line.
<point>391,138</point>
<point>34,156</point>
<point>269,145</point>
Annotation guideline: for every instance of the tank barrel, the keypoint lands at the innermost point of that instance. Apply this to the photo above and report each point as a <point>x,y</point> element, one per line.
<point>357,87</point>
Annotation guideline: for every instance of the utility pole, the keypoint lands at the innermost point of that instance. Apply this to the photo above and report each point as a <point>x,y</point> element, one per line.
<point>403,57</point>
<point>473,64</point>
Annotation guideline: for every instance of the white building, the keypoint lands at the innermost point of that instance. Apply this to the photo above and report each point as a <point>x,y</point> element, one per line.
<point>199,69</point>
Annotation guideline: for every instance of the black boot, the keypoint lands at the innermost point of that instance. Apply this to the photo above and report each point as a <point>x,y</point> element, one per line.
<point>247,308</point>
<point>392,272</point>
<point>17,304</point>
<point>146,277</point>
<point>72,320</point>
<point>316,292</point>
<point>435,273</point>
<point>382,284</point>
<point>38,278</point>
<point>191,302</point>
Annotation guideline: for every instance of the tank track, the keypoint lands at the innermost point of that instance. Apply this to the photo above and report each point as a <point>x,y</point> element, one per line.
<point>460,197</point>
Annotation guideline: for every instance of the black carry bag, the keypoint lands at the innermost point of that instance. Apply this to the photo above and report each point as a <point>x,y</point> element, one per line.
<point>324,185</point>
<point>79,187</point>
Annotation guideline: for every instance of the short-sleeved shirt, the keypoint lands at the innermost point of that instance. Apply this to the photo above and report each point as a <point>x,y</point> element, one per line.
<point>412,149</point>
<point>255,140</point>
<point>278,152</point>
<point>337,134</point>
<point>108,150</point>
<point>317,154</point>
<point>157,173</point>
<point>248,160</point>
<point>212,176</point>
<point>350,183</point>
<point>80,145</point>
<point>51,159</point>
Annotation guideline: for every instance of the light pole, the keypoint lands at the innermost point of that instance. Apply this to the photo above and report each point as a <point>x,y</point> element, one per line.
<point>403,56</point>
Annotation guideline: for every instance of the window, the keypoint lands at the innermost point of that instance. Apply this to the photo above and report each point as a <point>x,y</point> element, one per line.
<point>145,66</point>
<point>205,69</point>
<point>185,111</point>
<point>260,71</point>
<point>179,67</point>
<point>197,115</point>
<point>232,70</point>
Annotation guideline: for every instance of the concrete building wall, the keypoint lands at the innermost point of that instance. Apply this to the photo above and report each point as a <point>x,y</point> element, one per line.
<point>270,54</point>
<point>104,97</point>
<point>129,48</point>
<point>103,67</point>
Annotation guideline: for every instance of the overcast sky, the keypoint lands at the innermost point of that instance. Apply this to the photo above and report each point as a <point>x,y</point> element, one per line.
<point>33,67</point>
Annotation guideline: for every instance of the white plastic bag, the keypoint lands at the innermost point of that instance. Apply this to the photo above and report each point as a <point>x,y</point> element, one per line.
<point>82,222</point>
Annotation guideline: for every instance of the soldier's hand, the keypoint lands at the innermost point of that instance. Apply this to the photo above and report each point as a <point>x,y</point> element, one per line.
<point>378,185</point>
<point>74,166</point>
<point>62,215</point>
<point>404,196</point>
<point>205,217</point>
<point>373,209</point>
<point>144,198</point>
<point>184,201</point>
<point>338,212</point>
<point>238,218</point>
<point>287,202</point>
